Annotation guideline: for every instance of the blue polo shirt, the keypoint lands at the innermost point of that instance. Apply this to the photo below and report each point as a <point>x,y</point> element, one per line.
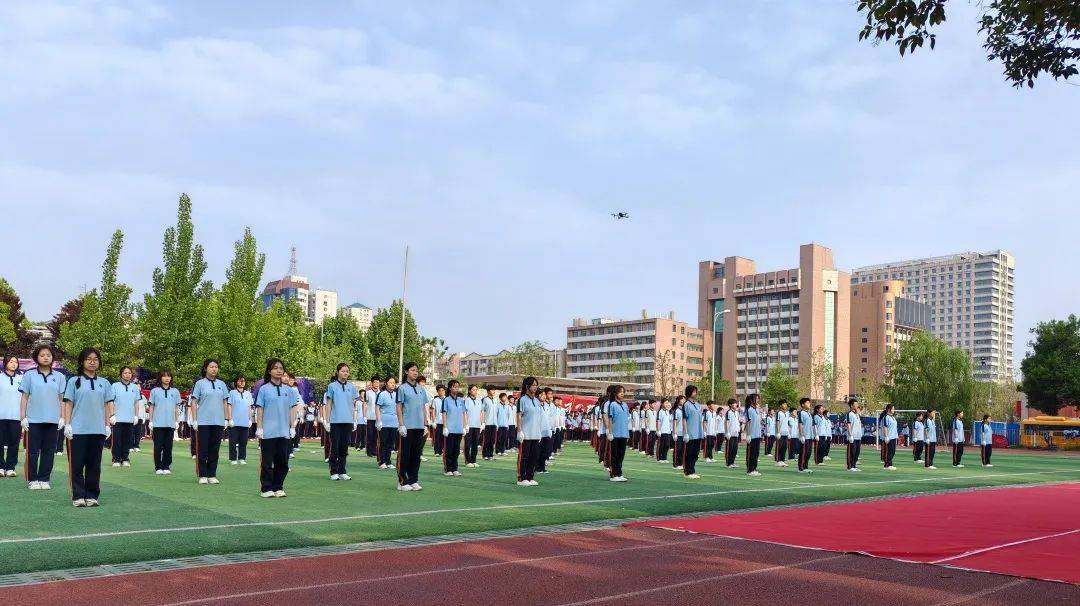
<point>491,412</point>
<point>276,402</point>
<point>890,427</point>
<point>503,415</point>
<point>88,397</point>
<point>473,408</point>
<point>620,419</point>
<point>931,431</point>
<point>958,430</point>
<point>663,419</point>
<point>511,414</point>
<point>342,400</point>
<point>453,412</point>
<point>436,410</point>
<point>692,414</point>
<point>241,402</point>
<point>10,396</point>
<point>414,401</point>
<point>211,398</point>
<point>163,405</point>
<point>753,423</point>
<point>855,431</point>
<point>387,404</point>
<point>806,425</point>
<point>731,423</point>
<point>125,397</point>
<point>533,418</point>
<point>370,398</point>
<point>545,431</point>
<point>43,395</point>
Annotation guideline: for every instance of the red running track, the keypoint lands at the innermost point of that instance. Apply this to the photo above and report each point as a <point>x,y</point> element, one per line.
<point>622,566</point>
<point>1026,532</point>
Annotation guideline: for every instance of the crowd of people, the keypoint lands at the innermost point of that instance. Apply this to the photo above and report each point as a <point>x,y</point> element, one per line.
<point>46,413</point>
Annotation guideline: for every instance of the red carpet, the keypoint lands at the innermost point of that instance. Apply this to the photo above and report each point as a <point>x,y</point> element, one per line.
<point>1027,532</point>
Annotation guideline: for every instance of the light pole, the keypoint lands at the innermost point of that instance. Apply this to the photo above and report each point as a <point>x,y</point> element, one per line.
<point>717,317</point>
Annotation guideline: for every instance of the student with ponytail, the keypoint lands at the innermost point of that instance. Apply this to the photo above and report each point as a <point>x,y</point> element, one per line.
<point>530,419</point>
<point>88,406</point>
<point>958,439</point>
<point>783,433</point>
<point>164,420</point>
<point>473,411</point>
<point>753,433</point>
<point>890,434</point>
<point>678,433</point>
<point>412,400</point>
<point>238,418</point>
<point>821,432</point>
<point>918,436</point>
<point>207,416</point>
<point>931,438</point>
<point>617,422</point>
<point>732,430</point>
<point>126,397</point>
<point>275,408</point>
<point>453,428</point>
<point>694,419</point>
<point>10,429</point>
<point>340,419</point>
<point>854,434</point>
<point>42,392</point>
<point>386,422</point>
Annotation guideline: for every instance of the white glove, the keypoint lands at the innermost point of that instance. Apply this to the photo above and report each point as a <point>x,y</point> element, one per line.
<point>26,423</point>
<point>60,424</point>
<point>401,430</point>
<point>610,437</point>
<point>521,436</point>
<point>230,423</point>
<point>326,424</point>
<point>465,429</point>
<point>194,425</point>
<point>176,426</point>
<point>151,425</point>
<point>292,432</point>
<point>445,431</point>
<point>355,426</point>
<point>68,432</point>
<point>108,430</point>
<point>259,433</point>
<point>378,425</point>
<point>431,424</point>
<point>112,420</point>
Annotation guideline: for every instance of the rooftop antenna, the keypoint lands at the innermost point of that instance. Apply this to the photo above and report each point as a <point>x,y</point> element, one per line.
<point>292,261</point>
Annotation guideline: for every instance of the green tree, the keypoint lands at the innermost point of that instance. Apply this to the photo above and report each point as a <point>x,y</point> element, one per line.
<point>174,328</point>
<point>528,358</point>
<point>666,379</point>
<point>290,338</point>
<point>1029,37</point>
<point>1052,369</point>
<point>626,370</point>
<point>925,372</point>
<point>20,342</point>
<point>780,384</point>
<point>384,339</point>
<point>107,321</point>
<point>996,399</point>
<point>872,395</point>
<point>821,378</point>
<point>69,313</point>
<point>7,329</point>
<point>342,340</point>
<point>720,390</point>
<point>241,344</point>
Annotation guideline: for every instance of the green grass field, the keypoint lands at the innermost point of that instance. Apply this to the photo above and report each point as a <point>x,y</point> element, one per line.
<point>148,517</point>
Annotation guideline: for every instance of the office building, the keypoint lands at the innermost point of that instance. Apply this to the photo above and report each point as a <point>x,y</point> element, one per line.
<point>502,363</point>
<point>882,317</point>
<point>361,313</point>
<point>294,288</point>
<point>797,318</point>
<point>971,298</point>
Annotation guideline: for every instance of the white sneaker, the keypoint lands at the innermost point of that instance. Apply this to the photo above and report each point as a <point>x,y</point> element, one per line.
<point>243,461</point>
<point>266,494</point>
<point>192,457</point>
<point>92,503</point>
<point>79,502</point>
<point>754,473</point>
<point>335,477</point>
<point>958,466</point>
<point>449,474</point>
<point>891,468</point>
<point>382,466</point>
<point>932,467</point>
<point>730,466</point>
<point>213,480</point>
<point>344,476</point>
<point>614,479</point>
<point>523,483</point>
<point>115,464</point>
<point>827,458</point>
<point>167,472</point>
<point>854,469</point>
<point>404,488</point>
<point>679,467</point>
<point>533,483</point>
<point>44,486</point>
<point>988,465</point>
<point>694,476</point>
<point>125,464</point>
<point>233,463</point>
<point>136,450</point>
<point>204,481</point>
<point>779,464</point>
<point>423,459</point>
<point>159,472</point>
<point>457,473</point>
<point>280,494</point>
<point>34,486</point>
<point>417,486</point>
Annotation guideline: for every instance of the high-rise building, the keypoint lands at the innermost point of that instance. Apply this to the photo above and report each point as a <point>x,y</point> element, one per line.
<point>971,297</point>
<point>361,313</point>
<point>667,353</point>
<point>294,288</point>
<point>321,305</point>
<point>882,317</point>
<point>796,318</point>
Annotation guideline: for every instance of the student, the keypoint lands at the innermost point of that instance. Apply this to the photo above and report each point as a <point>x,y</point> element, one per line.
<point>473,410</point>
<point>650,424</point>
<point>141,429</point>
<point>208,411</point>
<point>371,397</point>
<point>986,441</point>
<point>558,426</point>
<point>678,432</point>
<point>770,430</point>
<point>890,436</point>
<point>821,433</point>
<point>42,391</point>
<point>10,417</point>
<point>529,422</point>
<point>635,429</point>
<point>601,428</point>
<point>854,435</point>
<point>753,433</point>
<point>694,420</point>
<point>512,430</point>
<point>421,381</point>
<point>386,421</point>
<point>502,426</point>
<point>304,414</point>
<point>664,426</point>
<point>412,400</point>
<point>828,426</point>
<point>919,435</point>
<point>545,433</point>
<point>731,432</point>
<point>617,421</point>
<point>88,405</point>
<point>782,433</point>
<point>806,435</point>
<point>958,439</point>
<point>794,444</point>
<point>238,419</point>
<point>339,416</point>
<point>275,408</point>
<point>164,419</point>
<point>358,439</point>
<point>709,421</point>
<point>436,419</point>
<point>453,407</point>
<point>489,419</point>
<point>931,438</point>
<point>125,399</point>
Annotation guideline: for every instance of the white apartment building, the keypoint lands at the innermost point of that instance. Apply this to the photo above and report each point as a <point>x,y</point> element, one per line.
<point>971,297</point>
<point>361,313</point>
<point>321,305</point>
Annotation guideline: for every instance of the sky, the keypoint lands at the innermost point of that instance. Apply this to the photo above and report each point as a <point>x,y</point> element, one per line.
<point>496,138</point>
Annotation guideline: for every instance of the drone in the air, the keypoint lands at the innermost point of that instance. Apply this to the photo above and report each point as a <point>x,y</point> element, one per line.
<point>620,216</point>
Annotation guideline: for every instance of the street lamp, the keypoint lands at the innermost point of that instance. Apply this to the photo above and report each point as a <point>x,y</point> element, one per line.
<point>717,317</point>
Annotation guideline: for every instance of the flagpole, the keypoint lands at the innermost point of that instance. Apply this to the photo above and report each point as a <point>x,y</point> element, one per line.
<point>401,347</point>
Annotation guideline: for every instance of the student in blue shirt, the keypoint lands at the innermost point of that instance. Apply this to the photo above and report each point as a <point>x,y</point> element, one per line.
<point>275,409</point>
<point>889,435</point>
<point>164,413</point>
<point>207,418</point>
<point>412,400</point>
<point>931,438</point>
<point>453,427</point>
<point>512,441</point>
<point>238,417</point>
<point>502,423</point>
<point>436,420</point>
<point>664,427</point>
<point>958,439</point>
<point>490,414</point>
<point>986,441</point>
<point>371,397</point>
<point>530,419</point>
<point>88,406</point>
<point>782,434</point>
<point>770,430</point>
<point>10,416</point>
<point>386,421</point>
<point>42,392</point>
<point>806,435</point>
<point>693,418</point>
<point>339,414</point>
<point>731,432</point>
<point>753,433</point>
<point>821,433</point>
<point>708,420</point>
<point>678,433</point>
<point>617,420</point>
<point>918,435</point>
<point>854,434</point>
<point>126,397</point>
<point>546,394</point>
<point>473,410</point>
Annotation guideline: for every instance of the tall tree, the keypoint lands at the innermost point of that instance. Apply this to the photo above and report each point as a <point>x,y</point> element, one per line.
<point>7,329</point>
<point>384,339</point>
<point>1052,369</point>
<point>1029,37</point>
<point>872,395</point>
<point>528,358</point>
<point>290,337</point>
<point>173,324</point>
<point>666,378</point>
<point>925,372</point>
<point>21,342</point>
<point>342,340</point>
<point>69,313</point>
<point>719,390</point>
<point>241,344</point>
<point>780,384</point>
<point>821,378</point>
<point>107,322</point>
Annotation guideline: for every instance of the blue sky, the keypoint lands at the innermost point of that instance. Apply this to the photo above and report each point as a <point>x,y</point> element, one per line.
<point>496,138</point>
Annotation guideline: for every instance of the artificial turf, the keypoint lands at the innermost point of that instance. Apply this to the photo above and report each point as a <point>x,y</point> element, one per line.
<point>369,508</point>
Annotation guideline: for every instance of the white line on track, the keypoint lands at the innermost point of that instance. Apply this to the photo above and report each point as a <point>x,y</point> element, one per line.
<point>397,514</point>
<point>964,599</point>
<point>1004,545</point>
<point>399,577</point>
